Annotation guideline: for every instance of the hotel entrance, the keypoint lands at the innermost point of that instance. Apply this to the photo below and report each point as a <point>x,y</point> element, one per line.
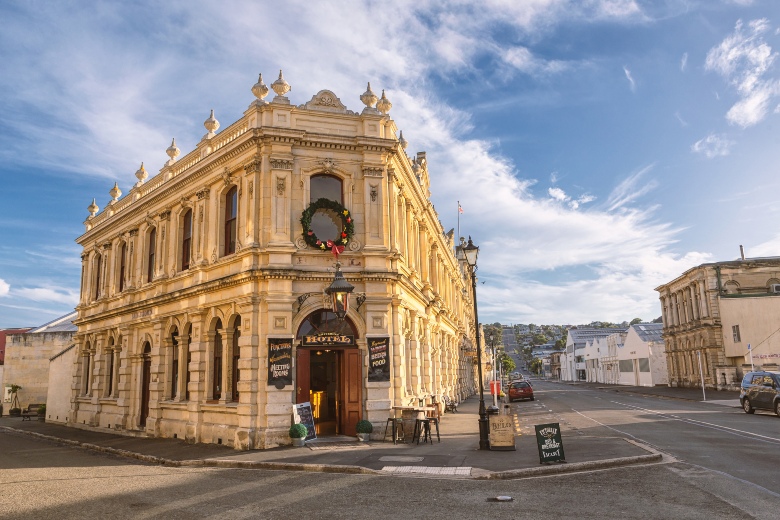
<point>329,373</point>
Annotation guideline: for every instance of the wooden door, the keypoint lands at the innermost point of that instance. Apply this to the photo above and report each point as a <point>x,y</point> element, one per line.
<point>146,379</point>
<point>302,375</point>
<point>351,395</point>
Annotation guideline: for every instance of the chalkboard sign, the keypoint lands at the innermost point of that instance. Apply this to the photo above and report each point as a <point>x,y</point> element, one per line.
<point>378,361</point>
<point>302,414</point>
<point>548,439</point>
<point>279,362</point>
<point>502,432</point>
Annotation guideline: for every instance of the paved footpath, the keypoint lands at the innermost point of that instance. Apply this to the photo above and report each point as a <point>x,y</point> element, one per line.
<point>456,456</point>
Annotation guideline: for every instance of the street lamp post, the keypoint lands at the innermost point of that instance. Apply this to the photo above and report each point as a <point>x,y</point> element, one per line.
<point>471,252</point>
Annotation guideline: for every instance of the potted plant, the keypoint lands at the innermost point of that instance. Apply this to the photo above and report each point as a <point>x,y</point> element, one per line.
<point>364,429</point>
<point>298,434</point>
<point>15,410</point>
<point>42,412</point>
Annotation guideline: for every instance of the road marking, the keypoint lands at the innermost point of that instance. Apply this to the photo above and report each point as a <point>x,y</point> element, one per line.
<point>725,429</point>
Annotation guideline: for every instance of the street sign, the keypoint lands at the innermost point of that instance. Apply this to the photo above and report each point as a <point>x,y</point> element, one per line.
<point>549,442</point>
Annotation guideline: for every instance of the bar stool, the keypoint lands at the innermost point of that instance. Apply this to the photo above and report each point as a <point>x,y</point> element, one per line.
<point>422,428</point>
<point>396,429</point>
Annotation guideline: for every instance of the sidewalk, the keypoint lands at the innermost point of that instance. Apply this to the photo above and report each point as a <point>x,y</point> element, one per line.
<point>457,455</point>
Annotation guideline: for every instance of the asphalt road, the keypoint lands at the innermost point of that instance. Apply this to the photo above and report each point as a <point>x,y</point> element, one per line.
<point>718,467</point>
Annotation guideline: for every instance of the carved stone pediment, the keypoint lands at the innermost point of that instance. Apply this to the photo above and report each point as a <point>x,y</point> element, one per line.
<point>326,101</point>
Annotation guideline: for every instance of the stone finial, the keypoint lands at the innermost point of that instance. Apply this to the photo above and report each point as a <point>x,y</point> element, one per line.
<point>211,124</point>
<point>280,86</point>
<point>93,208</point>
<point>368,97</point>
<point>403,142</point>
<point>141,174</point>
<point>259,89</point>
<point>115,192</point>
<point>384,104</point>
<point>173,151</point>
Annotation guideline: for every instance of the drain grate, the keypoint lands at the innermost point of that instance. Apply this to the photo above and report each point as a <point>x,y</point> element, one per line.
<point>428,470</point>
<point>400,458</point>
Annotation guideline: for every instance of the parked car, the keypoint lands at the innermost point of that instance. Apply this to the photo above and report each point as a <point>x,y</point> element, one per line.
<point>760,390</point>
<point>520,390</point>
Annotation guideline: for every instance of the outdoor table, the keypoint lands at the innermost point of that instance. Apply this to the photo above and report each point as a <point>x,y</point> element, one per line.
<point>408,416</point>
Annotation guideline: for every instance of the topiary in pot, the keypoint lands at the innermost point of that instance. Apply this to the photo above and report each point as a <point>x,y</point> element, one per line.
<point>298,433</point>
<point>364,429</point>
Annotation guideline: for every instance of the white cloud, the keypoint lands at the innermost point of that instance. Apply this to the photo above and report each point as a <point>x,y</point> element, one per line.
<point>630,78</point>
<point>48,294</point>
<point>744,59</point>
<point>682,121</point>
<point>630,189</point>
<point>713,145</point>
<point>4,288</point>
<point>684,62</point>
<point>106,115</point>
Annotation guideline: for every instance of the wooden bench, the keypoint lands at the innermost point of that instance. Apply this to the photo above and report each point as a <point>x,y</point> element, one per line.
<point>449,404</point>
<point>31,411</point>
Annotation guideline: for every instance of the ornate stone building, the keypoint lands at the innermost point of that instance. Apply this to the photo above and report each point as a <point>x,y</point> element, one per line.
<point>712,312</point>
<point>203,312</point>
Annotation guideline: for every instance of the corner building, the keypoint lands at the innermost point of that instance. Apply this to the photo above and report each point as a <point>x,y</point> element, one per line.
<point>195,275</point>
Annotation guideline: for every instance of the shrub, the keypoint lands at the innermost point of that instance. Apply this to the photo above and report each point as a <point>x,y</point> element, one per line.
<point>42,409</point>
<point>364,426</point>
<point>298,431</point>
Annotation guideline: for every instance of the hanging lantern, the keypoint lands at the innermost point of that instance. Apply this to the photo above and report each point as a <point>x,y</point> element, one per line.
<point>339,291</point>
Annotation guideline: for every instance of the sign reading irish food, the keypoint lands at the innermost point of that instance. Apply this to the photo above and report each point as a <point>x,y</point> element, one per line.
<point>548,439</point>
<point>378,363</point>
<point>279,362</point>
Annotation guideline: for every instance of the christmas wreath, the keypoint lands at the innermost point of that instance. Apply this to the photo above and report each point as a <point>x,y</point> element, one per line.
<point>337,244</point>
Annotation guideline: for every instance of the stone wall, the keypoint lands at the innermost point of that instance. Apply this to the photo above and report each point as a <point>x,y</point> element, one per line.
<point>27,363</point>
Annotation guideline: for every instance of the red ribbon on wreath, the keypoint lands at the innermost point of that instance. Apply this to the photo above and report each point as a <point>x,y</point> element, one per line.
<point>334,248</point>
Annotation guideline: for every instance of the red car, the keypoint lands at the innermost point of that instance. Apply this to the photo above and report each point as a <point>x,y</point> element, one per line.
<point>520,390</point>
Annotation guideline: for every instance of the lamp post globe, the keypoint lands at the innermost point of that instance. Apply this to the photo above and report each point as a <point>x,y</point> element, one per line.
<point>470,251</point>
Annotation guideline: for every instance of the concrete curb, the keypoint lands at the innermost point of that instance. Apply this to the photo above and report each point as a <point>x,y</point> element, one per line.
<point>336,468</point>
<point>570,468</point>
<point>213,463</point>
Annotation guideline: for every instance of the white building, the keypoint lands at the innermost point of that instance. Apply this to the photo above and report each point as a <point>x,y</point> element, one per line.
<point>641,358</point>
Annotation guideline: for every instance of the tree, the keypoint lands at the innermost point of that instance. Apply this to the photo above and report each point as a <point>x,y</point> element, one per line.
<point>635,321</point>
<point>494,330</point>
<point>536,366</point>
<point>539,339</point>
<point>508,364</point>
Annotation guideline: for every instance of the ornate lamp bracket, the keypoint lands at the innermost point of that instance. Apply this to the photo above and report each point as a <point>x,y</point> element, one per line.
<point>303,297</point>
<point>361,297</point>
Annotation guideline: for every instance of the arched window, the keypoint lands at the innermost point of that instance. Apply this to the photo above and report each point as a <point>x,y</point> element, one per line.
<point>231,213</point>
<point>216,375</point>
<point>98,266</point>
<point>150,257</point>
<point>122,265</point>
<point>236,356</point>
<point>325,223</point>
<point>186,240</point>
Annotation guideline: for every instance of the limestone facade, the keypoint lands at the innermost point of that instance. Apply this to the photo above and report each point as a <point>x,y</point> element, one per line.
<point>191,278</point>
<point>712,312</point>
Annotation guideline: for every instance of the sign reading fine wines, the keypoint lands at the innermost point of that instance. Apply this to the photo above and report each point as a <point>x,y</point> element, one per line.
<point>378,364</point>
<point>548,439</point>
<point>279,362</point>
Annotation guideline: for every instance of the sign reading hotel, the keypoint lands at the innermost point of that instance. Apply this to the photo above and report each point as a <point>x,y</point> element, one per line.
<point>378,363</point>
<point>548,439</point>
<point>327,338</point>
<point>502,433</point>
<point>279,362</point>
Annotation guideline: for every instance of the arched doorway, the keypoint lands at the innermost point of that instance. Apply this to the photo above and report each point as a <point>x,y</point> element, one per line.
<point>145,381</point>
<point>329,372</point>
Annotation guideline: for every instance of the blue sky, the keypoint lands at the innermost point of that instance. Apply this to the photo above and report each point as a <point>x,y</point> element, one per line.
<point>598,148</point>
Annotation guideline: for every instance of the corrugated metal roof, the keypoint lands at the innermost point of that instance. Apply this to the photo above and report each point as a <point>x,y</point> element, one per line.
<point>61,324</point>
<point>649,331</point>
<point>581,335</point>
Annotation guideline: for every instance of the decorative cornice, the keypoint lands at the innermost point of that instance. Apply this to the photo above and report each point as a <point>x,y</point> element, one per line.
<point>373,171</point>
<point>281,164</point>
<point>165,214</point>
<point>203,193</point>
